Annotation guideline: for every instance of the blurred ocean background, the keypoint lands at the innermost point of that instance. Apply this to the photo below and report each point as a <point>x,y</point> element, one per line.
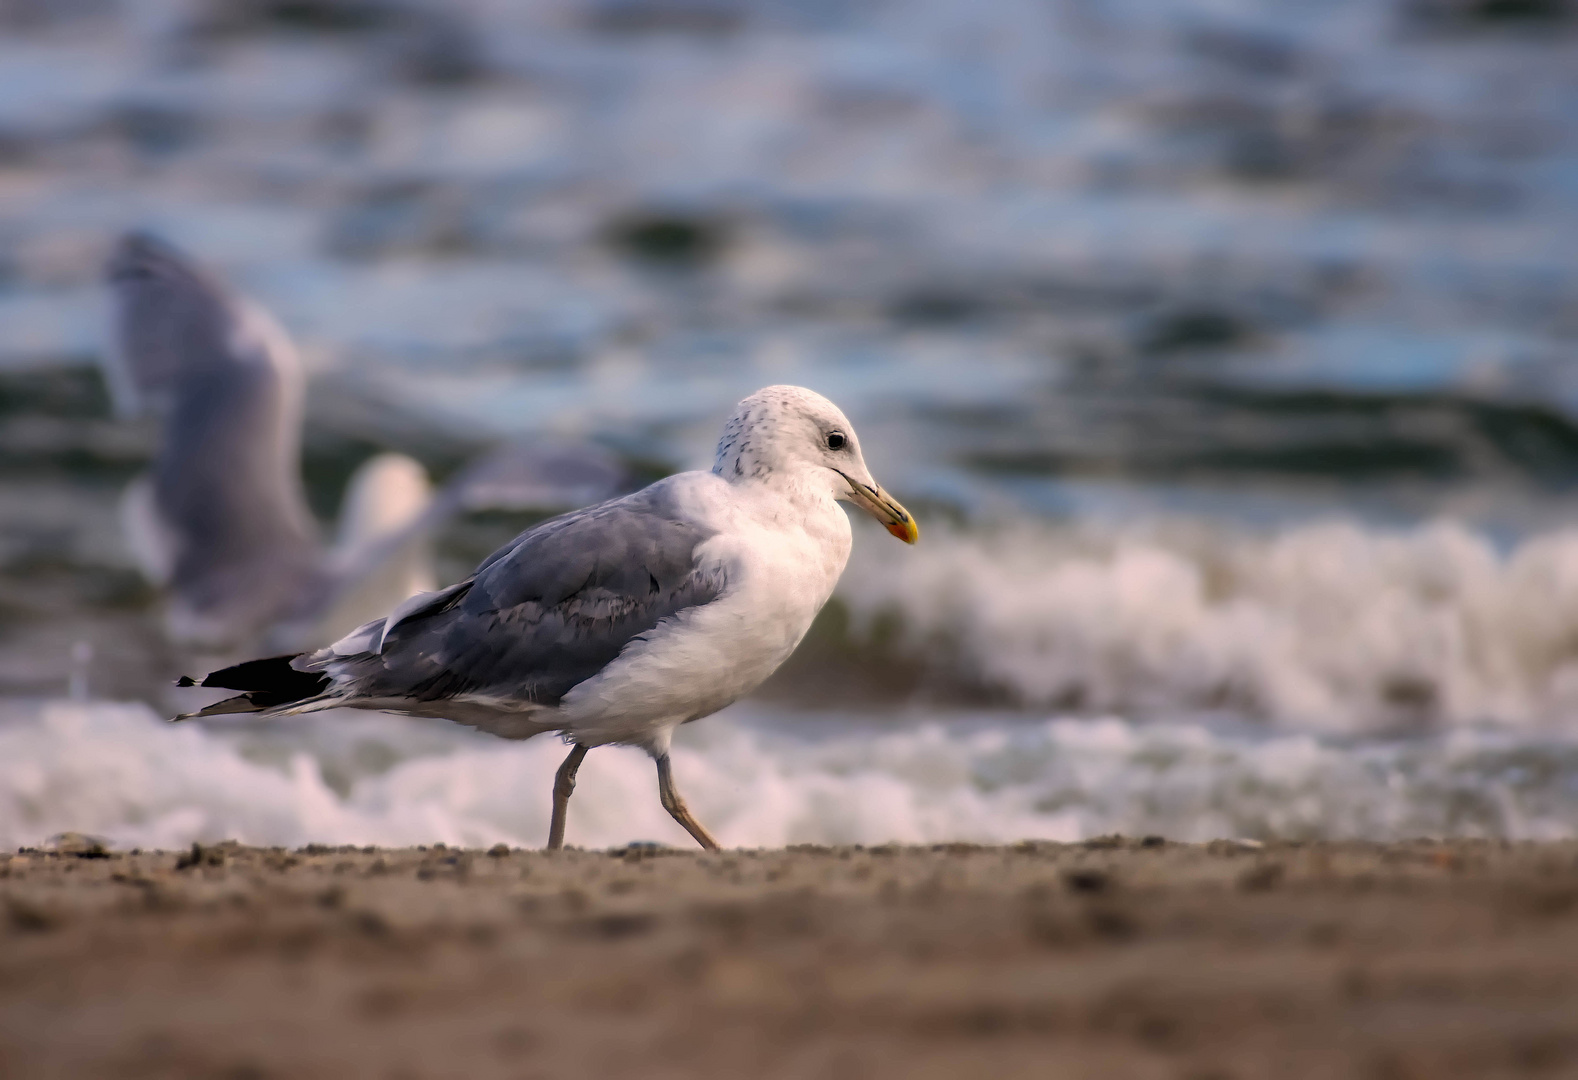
<point>1227,351</point>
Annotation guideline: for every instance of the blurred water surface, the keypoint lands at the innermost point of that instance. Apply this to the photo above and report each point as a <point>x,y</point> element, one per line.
<point>1225,346</point>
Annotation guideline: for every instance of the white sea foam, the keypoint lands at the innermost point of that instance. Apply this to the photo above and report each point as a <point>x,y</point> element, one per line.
<point>761,778</point>
<point>1332,627</point>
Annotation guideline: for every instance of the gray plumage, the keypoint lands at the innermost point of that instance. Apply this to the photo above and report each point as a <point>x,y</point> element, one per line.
<point>171,317</point>
<point>542,614</point>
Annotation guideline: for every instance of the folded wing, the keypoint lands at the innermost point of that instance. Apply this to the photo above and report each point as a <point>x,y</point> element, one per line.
<point>547,611</point>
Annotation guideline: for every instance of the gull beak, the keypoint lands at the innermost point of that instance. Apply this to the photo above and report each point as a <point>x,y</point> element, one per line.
<point>885,508</point>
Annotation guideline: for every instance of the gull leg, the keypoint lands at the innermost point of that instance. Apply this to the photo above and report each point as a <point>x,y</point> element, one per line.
<point>676,806</point>
<point>563,786</point>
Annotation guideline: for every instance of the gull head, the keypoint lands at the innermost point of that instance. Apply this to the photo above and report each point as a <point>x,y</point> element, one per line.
<point>791,433</point>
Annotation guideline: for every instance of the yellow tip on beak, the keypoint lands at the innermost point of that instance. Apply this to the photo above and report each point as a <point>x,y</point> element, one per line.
<point>905,530</point>
<point>885,508</point>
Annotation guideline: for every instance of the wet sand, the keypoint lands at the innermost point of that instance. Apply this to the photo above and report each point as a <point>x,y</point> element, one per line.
<point>1107,959</point>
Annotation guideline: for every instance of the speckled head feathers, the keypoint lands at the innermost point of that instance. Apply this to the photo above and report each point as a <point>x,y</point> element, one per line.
<point>778,428</point>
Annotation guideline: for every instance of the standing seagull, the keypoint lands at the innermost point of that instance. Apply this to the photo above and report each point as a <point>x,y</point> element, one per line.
<point>619,622</point>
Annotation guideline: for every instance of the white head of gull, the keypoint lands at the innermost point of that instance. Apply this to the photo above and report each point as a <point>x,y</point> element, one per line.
<point>619,622</point>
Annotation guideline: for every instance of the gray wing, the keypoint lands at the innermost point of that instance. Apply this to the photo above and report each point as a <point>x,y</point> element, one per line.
<point>171,317</point>
<point>226,481</point>
<point>514,476</point>
<point>542,614</point>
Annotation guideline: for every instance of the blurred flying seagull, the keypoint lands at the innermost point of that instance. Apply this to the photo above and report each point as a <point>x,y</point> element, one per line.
<point>619,622</point>
<point>222,522</point>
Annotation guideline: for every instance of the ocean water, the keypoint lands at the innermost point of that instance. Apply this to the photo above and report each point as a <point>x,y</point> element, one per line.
<point>1223,347</point>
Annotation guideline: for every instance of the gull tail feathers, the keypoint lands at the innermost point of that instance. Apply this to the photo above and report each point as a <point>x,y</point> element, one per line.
<point>272,686</point>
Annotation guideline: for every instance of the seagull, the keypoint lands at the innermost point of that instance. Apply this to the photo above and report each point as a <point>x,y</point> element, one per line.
<point>616,623</point>
<point>222,524</point>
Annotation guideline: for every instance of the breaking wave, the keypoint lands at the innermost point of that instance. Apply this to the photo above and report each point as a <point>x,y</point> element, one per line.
<point>763,778</point>
<point>1330,627</point>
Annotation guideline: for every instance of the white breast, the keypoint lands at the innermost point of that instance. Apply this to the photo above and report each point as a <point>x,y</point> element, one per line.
<point>780,560</point>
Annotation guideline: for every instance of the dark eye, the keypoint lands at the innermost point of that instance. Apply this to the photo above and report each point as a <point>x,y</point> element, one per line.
<point>836,440</point>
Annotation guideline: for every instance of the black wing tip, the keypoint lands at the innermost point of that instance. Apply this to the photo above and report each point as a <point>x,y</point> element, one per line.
<point>264,683</point>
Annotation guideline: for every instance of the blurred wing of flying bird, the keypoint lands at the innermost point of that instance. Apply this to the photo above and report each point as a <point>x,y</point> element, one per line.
<point>221,521</point>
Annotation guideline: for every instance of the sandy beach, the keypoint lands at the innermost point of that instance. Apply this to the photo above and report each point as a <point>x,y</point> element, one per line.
<point>1112,958</point>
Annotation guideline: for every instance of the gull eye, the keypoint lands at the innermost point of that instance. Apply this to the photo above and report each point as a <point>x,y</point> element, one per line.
<point>836,440</point>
